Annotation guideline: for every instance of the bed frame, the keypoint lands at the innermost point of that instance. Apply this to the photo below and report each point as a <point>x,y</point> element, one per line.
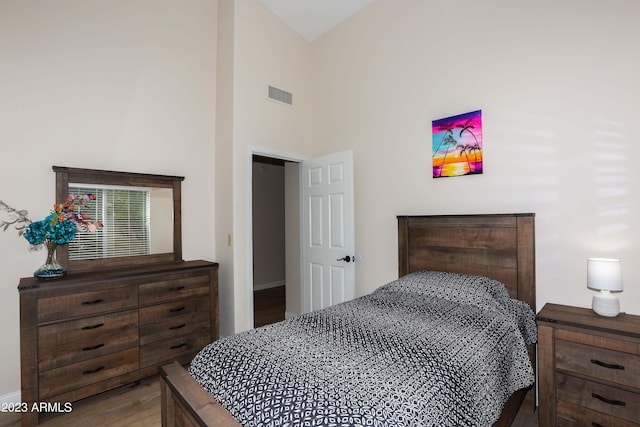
<point>499,246</point>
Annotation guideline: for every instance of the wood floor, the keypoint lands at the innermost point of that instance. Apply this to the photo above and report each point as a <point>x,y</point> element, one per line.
<point>133,405</point>
<point>139,405</point>
<point>268,306</point>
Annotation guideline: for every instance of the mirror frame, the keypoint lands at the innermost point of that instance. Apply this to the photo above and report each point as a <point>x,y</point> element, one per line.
<point>66,175</point>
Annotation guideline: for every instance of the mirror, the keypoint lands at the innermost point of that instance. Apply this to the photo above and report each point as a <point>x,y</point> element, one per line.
<point>160,220</point>
<point>141,214</point>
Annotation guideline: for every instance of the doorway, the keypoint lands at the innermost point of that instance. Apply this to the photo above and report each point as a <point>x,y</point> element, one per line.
<point>276,239</point>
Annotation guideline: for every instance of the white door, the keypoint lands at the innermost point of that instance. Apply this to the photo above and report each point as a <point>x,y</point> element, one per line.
<point>328,231</point>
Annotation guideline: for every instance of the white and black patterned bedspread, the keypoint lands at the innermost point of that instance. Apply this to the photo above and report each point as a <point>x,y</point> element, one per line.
<point>429,349</point>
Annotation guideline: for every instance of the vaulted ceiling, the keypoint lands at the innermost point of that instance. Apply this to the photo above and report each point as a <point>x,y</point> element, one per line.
<point>312,18</point>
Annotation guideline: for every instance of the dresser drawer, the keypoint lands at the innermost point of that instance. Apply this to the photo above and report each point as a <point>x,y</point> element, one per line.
<point>198,321</point>
<point>570,415</point>
<point>61,344</point>
<point>86,303</point>
<point>167,351</point>
<point>604,399</point>
<point>172,310</point>
<point>174,286</point>
<point>77,375</point>
<point>596,362</point>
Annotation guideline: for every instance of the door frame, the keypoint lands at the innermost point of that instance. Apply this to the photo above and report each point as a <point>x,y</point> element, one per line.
<point>276,154</point>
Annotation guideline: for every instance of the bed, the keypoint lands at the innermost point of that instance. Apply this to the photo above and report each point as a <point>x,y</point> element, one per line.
<point>470,252</point>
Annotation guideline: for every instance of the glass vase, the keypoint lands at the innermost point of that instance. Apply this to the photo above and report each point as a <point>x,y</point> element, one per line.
<point>50,269</point>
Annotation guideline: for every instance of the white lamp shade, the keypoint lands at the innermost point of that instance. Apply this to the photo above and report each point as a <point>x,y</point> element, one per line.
<point>604,274</point>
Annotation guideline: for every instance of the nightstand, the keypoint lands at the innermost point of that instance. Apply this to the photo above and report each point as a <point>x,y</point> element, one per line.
<point>588,367</point>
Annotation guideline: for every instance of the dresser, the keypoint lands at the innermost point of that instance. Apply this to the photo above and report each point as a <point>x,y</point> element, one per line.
<point>90,332</point>
<point>589,368</point>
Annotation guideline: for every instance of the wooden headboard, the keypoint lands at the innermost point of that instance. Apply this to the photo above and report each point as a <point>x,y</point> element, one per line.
<point>500,246</point>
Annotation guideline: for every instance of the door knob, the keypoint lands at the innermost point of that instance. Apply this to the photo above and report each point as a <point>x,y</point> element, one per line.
<point>345,259</point>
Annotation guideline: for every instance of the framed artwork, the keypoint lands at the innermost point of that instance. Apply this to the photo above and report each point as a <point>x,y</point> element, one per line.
<point>457,145</point>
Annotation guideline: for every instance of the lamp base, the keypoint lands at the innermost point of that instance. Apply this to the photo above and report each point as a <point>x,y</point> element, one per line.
<point>605,304</point>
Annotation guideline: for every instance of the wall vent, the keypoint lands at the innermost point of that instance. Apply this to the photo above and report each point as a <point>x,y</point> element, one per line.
<point>280,95</point>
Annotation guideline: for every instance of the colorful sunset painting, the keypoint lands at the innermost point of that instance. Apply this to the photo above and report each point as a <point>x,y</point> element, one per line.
<point>457,145</point>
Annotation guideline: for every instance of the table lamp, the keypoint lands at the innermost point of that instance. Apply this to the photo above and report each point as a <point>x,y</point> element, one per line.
<point>605,275</point>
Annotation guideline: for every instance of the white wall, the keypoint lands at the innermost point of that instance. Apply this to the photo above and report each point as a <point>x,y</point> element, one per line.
<point>224,165</point>
<point>557,82</point>
<point>265,52</point>
<point>105,85</point>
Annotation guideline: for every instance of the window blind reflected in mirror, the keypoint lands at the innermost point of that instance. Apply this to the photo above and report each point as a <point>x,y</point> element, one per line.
<point>125,213</point>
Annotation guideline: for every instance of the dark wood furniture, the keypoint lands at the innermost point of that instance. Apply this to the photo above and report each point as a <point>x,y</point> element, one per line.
<point>66,175</point>
<point>500,246</point>
<point>589,368</point>
<point>93,331</point>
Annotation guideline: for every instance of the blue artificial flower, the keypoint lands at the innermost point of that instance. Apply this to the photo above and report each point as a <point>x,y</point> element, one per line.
<point>36,232</point>
<point>62,224</point>
<point>59,232</point>
<point>62,232</point>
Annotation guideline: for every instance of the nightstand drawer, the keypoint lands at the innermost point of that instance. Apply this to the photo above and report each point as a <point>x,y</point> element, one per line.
<point>69,342</point>
<point>595,362</point>
<point>593,396</point>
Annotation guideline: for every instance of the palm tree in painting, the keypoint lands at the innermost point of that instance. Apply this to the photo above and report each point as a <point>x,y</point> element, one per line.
<point>464,149</point>
<point>448,141</point>
<point>475,148</point>
<point>466,127</point>
<point>448,128</point>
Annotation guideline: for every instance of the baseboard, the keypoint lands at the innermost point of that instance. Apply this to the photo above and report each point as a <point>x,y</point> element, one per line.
<point>263,286</point>
<point>288,315</point>
<point>9,398</point>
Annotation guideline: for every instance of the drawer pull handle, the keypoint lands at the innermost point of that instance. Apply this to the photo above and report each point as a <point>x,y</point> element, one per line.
<point>175,310</point>
<point>99,325</point>
<point>173,347</point>
<point>93,371</point>
<point>178,326</point>
<point>95,301</point>
<point>609,401</point>
<point>607,365</point>
<point>93,347</point>
<point>176,288</point>
<point>595,424</point>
